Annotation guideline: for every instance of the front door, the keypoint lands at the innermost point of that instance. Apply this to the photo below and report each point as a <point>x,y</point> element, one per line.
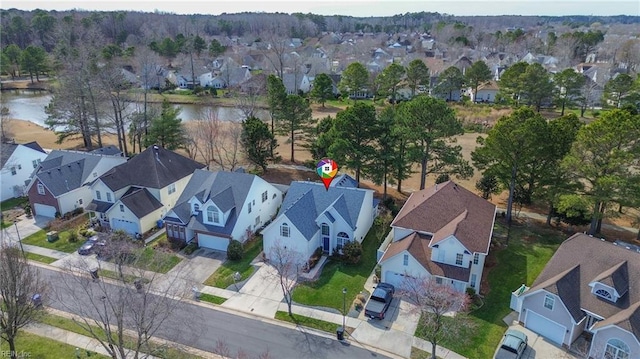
<point>325,244</point>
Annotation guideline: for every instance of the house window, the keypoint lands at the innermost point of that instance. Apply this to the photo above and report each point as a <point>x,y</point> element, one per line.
<point>549,300</point>
<point>284,230</point>
<point>35,163</point>
<point>98,196</point>
<point>80,201</point>
<point>343,239</point>
<point>212,214</point>
<point>604,294</point>
<point>254,202</point>
<point>108,196</point>
<point>196,207</point>
<point>172,188</point>
<point>40,188</point>
<point>438,280</point>
<point>459,259</point>
<point>616,349</point>
<point>13,171</point>
<point>473,280</point>
<point>325,229</point>
<point>264,196</point>
<point>249,207</point>
<point>19,167</point>
<point>405,260</point>
<point>122,208</point>
<point>476,258</point>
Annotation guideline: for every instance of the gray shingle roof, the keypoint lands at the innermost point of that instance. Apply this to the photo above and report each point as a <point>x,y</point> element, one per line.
<point>305,201</point>
<point>99,206</point>
<point>582,259</point>
<point>110,150</point>
<point>155,167</point>
<point>140,201</point>
<point>228,190</point>
<point>6,150</point>
<point>63,171</point>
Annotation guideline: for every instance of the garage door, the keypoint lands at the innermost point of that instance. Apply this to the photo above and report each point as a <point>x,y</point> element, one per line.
<point>545,327</point>
<point>127,226</point>
<point>393,278</point>
<point>44,210</point>
<point>213,242</point>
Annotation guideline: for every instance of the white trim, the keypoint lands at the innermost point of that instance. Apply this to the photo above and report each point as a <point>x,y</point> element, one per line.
<point>552,321</point>
<point>528,293</point>
<point>619,328</point>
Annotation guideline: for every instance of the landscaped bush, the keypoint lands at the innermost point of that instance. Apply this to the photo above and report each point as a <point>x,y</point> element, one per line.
<point>352,252</point>
<point>234,250</point>
<point>190,248</point>
<point>314,259</point>
<point>73,236</point>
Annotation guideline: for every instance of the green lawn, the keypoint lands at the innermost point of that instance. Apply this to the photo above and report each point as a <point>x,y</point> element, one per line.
<point>155,349</point>
<point>37,347</point>
<point>62,244</point>
<point>156,261</point>
<point>40,258</point>
<point>212,298</point>
<point>420,354</point>
<point>307,322</point>
<point>327,290</point>
<point>223,276</point>
<point>14,202</point>
<point>529,250</point>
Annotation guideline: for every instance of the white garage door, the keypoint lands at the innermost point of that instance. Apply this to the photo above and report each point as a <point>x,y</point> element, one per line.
<point>127,226</point>
<point>213,242</point>
<point>44,210</point>
<point>545,327</point>
<point>393,278</point>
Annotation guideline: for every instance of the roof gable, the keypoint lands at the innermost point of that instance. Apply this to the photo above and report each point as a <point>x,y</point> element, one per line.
<point>448,209</point>
<point>593,260</point>
<point>140,201</point>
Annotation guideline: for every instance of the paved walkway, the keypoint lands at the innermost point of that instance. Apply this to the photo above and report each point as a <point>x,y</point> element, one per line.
<point>81,342</point>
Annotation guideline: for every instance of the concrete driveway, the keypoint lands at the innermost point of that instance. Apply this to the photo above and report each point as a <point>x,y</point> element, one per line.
<point>541,348</point>
<point>393,334</point>
<point>260,295</point>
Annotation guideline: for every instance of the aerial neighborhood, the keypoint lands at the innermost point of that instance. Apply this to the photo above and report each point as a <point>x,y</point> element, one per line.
<point>274,185</point>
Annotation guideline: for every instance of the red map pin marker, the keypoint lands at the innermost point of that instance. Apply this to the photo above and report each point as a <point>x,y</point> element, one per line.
<point>327,170</point>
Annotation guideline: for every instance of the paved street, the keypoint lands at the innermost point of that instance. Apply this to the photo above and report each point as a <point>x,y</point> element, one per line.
<point>201,327</point>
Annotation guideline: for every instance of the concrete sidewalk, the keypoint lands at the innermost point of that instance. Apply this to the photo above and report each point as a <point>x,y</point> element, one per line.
<point>81,342</point>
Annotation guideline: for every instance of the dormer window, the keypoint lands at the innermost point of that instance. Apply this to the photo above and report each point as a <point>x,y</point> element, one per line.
<point>196,208</point>
<point>284,230</point>
<point>213,215</point>
<point>603,293</point>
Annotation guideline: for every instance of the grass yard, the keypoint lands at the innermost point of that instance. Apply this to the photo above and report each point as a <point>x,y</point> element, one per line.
<point>156,261</point>
<point>39,258</point>
<point>14,202</point>
<point>307,322</point>
<point>157,350</point>
<point>420,354</point>
<point>212,298</point>
<point>223,276</point>
<point>530,248</point>
<point>36,347</point>
<point>327,290</point>
<point>62,244</point>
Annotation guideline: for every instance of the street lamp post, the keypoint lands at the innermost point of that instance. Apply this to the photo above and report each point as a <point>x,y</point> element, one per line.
<point>15,223</point>
<point>344,306</point>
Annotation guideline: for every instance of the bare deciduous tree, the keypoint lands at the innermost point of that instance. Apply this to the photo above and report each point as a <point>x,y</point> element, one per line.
<point>6,131</point>
<point>287,265</point>
<point>123,313</point>
<point>435,302</point>
<point>18,283</point>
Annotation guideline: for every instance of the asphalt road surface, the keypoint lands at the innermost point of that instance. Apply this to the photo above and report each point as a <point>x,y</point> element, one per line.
<point>203,328</point>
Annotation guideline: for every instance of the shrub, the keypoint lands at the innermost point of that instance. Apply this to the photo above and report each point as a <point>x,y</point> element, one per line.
<point>73,237</point>
<point>190,248</point>
<point>352,252</point>
<point>443,177</point>
<point>77,211</point>
<point>358,304</point>
<point>234,250</point>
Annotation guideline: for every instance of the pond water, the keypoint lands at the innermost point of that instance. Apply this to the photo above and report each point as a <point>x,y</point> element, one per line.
<point>29,105</point>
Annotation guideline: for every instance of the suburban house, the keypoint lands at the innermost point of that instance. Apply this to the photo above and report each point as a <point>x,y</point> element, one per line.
<point>217,207</point>
<point>487,92</point>
<point>61,183</point>
<point>443,231</point>
<point>135,195</point>
<point>296,82</point>
<point>312,216</point>
<point>589,287</point>
<point>18,162</point>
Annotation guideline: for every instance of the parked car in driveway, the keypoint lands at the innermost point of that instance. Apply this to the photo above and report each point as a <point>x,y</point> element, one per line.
<point>91,244</point>
<point>513,345</point>
<point>379,301</point>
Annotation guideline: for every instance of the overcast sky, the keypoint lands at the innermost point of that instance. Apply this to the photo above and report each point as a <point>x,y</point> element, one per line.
<point>360,8</point>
